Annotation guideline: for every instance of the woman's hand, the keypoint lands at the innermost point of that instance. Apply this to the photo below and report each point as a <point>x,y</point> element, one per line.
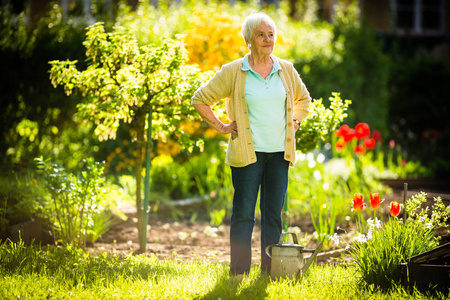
<point>208,115</point>
<point>229,128</point>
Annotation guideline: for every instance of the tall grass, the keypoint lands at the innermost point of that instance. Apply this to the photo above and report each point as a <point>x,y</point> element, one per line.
<point>70,273</point>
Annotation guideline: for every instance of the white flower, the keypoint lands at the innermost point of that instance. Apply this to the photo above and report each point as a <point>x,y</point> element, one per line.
<point>360,238</point>
<point>311,164</point>
<point>335,238</point>
<point>317,175</point>
<point>300,156</point>
<point>320,158</point>
<point>374,223</point>
<point>429,225</point>
<point>377,223</point>
<point>421,219</point>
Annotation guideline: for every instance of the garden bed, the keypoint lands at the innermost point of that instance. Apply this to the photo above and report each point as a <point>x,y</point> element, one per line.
<point>185,240</point>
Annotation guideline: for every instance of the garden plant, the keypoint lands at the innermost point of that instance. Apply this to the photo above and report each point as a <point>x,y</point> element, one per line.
<point>75,208</point>
<point>378,248</point>
<point>148,87</point>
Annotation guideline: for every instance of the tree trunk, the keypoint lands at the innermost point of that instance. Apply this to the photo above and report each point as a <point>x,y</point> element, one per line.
<point>148,159</point>
<point>140,128</point>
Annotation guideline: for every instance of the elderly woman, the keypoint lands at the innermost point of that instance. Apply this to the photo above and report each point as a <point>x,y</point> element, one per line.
<point>266,102</point>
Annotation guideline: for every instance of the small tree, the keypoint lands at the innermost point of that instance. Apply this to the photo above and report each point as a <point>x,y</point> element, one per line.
<point>148,87</point>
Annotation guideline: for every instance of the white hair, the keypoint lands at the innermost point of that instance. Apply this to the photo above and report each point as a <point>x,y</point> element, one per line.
<point>252,21</point>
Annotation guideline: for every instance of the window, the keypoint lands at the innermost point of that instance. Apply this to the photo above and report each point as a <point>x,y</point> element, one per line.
<point>418,16</point>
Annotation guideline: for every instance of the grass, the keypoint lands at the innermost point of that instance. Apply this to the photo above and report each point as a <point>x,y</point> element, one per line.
<point>69,273</point>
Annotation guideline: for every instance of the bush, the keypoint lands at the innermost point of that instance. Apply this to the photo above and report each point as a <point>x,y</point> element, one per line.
<point>20,196</point>
<point>321,123</point>
<point>75,209</point>
<point>419,111</point>
<point>36,118</point>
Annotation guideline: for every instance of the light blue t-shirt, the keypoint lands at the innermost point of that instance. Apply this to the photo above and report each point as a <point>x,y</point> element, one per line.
<point>266,102</point>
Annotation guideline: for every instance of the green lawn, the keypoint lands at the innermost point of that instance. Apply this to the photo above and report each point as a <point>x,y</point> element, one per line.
<point>64,273</point>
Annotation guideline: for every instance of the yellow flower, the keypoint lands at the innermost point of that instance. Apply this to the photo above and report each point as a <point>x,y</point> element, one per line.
<point>213,40</point>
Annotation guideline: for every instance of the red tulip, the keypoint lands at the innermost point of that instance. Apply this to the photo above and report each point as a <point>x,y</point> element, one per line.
<point>337,133</point>
<point>345,132</point>
<point>362,130</point>
<point>358,201</point>
<point>392,143</point>
<point>376,135</point>
<point>339,145</point>
<point>360,150</point>
<point>395,208</point>
<point>375,201</point>
<point>369,143</point>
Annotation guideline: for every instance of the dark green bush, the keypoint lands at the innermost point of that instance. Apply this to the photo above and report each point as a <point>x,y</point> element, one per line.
<point>35,118</point>
<point>361,75</point>
<point>419,111</point>
<point>20,196</point>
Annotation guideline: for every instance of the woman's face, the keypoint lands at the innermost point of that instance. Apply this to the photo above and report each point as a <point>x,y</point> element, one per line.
<point>263,39</point>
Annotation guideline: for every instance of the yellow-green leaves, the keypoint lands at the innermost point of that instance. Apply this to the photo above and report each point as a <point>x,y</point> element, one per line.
<point>321,122</point>
<point>123,79</point>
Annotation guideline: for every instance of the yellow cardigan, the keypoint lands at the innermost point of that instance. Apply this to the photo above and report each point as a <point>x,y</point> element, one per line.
<point>229,83</point>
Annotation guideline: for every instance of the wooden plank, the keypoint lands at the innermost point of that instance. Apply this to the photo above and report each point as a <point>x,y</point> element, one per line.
<point>430,184</point>
<point>439,253</point>
<point>426,277</point>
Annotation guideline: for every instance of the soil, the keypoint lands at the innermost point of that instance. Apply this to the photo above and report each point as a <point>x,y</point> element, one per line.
<point>195,241</point>
<point>182,240</point>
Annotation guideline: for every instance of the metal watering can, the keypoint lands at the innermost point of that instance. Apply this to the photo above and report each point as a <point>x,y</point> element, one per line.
<point>287,259</point>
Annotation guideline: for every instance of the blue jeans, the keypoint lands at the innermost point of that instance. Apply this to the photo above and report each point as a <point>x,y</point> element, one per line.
<point>270,172</point>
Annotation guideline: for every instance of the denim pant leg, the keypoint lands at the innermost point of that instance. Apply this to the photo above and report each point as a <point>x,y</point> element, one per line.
<point>273,193</point>
<point>246,182</point>
<point>271,173</point>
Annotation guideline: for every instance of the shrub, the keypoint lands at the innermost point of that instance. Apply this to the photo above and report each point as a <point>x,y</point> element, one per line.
<point>75,209</point>
<point>321,122</point>
<point>20,196</point>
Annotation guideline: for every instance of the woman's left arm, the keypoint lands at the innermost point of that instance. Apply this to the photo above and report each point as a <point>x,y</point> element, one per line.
<point>302,99</point>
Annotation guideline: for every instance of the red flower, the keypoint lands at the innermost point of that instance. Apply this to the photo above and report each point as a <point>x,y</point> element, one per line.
<point>338,133</point>
<point>339,145</point>
<point>375,200</point>
<point>369,143</point>
<point>395,208</point>
<point>345,132</point>
<point>392,143</point>
<point>362,130</point>
<point>358,201</point>
<point>376,135</point>
<point>360,150</point>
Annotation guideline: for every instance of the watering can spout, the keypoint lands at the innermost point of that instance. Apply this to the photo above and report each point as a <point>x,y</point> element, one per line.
<point>312,257</point>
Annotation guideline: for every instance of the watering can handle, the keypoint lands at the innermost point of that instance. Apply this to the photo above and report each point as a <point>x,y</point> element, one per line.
<point>294,237</point>
<point>281,241</point>
<point>268,250</point>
